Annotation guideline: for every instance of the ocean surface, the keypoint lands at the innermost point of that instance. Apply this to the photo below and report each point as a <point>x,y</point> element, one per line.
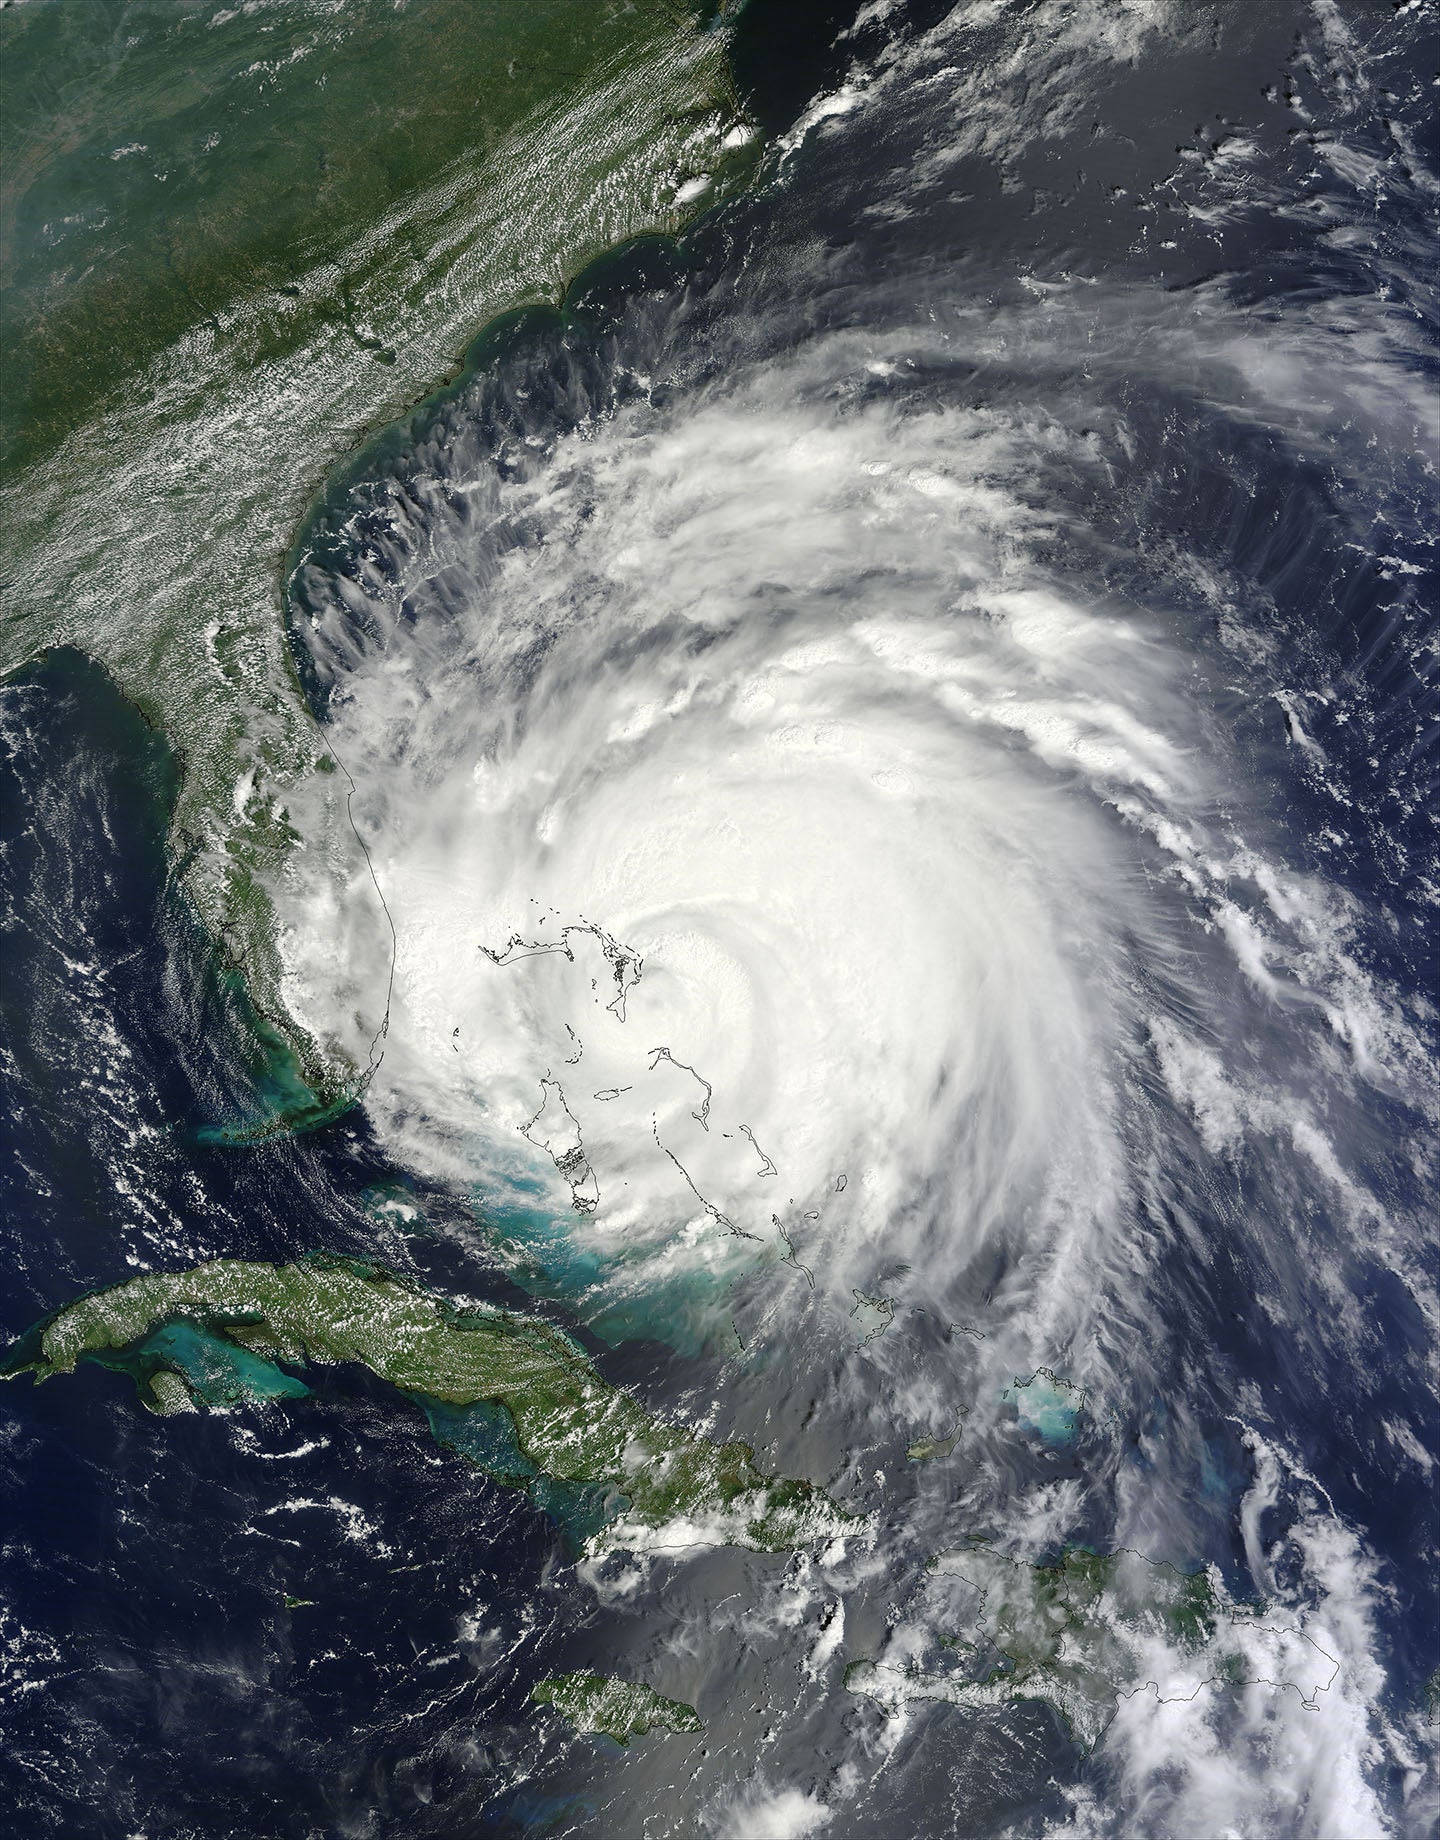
<point>912,709</point>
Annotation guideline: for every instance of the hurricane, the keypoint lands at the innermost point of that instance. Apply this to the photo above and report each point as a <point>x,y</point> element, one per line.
<point>831,747</point>
<point>875,848</point>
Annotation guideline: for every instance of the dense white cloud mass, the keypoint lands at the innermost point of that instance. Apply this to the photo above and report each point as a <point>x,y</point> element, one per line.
<point>783,1814</point>
<point>789,860</point>
<point>776,704</point>
<point>833,786</point>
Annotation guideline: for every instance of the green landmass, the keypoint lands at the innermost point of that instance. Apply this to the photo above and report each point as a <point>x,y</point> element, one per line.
<point>235,242</point>
<point>928,1449</point>
<point>513,1393</point>
<point>1082,1633</point>
<point>619,1709</point>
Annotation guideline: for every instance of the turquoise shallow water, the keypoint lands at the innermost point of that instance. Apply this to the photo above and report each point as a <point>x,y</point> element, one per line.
<point>689,1311</point>
<point>1047,1405</point>
<point>1238,1412</point>
<point>215,1370</point>
<point>485,1435</point>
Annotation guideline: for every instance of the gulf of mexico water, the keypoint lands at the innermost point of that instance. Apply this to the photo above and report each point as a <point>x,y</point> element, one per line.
<point>961,622</point>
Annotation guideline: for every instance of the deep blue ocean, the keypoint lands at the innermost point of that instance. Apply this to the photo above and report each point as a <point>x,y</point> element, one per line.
<point>1180,271</point>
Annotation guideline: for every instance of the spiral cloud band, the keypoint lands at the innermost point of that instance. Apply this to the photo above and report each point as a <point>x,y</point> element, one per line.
<point>787,855</point>
<point>840,763</point>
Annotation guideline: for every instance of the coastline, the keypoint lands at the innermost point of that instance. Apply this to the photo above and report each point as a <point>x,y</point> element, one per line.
<point>232,707</point>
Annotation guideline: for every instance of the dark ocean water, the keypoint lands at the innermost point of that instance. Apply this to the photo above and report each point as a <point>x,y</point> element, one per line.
<point>1162,285</point>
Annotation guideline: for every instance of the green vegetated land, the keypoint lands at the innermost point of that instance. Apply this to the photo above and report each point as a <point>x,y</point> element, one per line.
<point>511,1392</point>
<point>1081,1633</point>
<point>618,1709</point>
<point>235,241</point>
